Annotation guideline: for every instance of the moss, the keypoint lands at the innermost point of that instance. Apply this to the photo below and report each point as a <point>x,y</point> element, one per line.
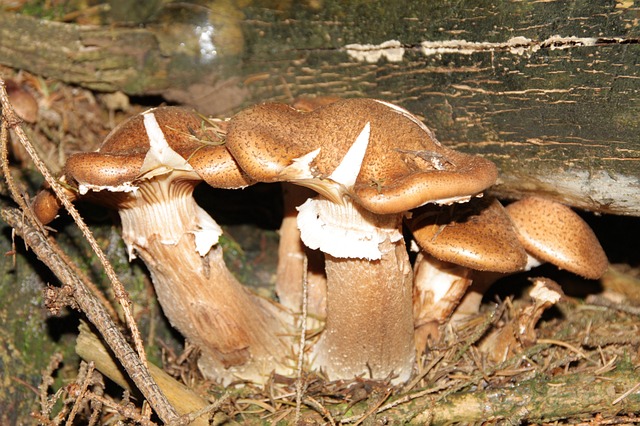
<point>29,336</point>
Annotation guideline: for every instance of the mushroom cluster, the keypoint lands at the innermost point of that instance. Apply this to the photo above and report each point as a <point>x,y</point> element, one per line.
<point>356,174</point>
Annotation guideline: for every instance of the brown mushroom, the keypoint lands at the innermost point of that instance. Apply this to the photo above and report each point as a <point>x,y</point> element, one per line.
<point>549,232</point>
<point>23,102</point>
<point>552,232</point>
<point>148,168</point>
<point>370,161</point>
<point>478,235</point>
<point>474,236</point>
<point>46,205</point>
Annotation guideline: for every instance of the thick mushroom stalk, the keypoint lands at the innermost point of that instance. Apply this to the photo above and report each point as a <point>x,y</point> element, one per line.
<point>368,330</point>
<point>237,332</point>
<point>142,170</point>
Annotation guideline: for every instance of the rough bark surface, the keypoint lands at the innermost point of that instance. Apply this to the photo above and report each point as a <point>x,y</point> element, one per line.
<point>548,90</point>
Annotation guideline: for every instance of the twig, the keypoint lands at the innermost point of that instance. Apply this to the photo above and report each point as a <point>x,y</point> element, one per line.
<point>411,397</point>
<point>189,418</point>
<point>626,394</point>
<point>603,301</point>
<point>322,410</point>
<point>568,346</point>
<point>13,122</point>
<point>373,409</point>
<point>94,311</point>
<point>46,404</point>
<point>303,338</point>
<point>127,411</point>
<point>81,391</point>
<point>18,198</point>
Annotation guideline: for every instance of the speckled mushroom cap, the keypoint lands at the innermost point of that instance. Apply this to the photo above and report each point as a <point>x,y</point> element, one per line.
<point>478,235</point>
<point>122,154</point>
<point>554,233</point>
<point>404,165</point>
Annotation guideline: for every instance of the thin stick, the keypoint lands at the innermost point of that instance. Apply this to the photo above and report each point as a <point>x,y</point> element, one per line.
<point>626,394</point>
<point>120,292</point>
<point>568,346</point>
<point>603,301</point>
<point>373,409</point>
<point>188,419</point>
<point>303,338</point>
<point>19,199</point>
<point>94,311</point>
<point>85,377</point>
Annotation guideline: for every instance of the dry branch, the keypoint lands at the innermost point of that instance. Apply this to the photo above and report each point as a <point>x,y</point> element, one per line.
<point>186,401</point>
<point>542,398</point>
<point>93,310</point>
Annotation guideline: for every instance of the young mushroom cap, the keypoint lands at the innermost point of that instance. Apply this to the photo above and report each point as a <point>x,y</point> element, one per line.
<point>478,235</point>
<point>23,102</point>
<point>404,165</point>
<point>552,232</point>
<point>46,205</point>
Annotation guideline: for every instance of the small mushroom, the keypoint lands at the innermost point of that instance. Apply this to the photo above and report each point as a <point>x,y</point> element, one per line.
<point>46,205</point>
<point>437,289</point>
<point>23,102</point>
<point>370,162</point>
<point>549,232</point>
<point>147,168</point>
<point>478,235</point>
<point>456,242</point>
<point>552,232</point>
<point>519,331</point>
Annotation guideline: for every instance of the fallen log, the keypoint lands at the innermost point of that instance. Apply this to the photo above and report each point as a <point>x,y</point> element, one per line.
<point>549,91</point>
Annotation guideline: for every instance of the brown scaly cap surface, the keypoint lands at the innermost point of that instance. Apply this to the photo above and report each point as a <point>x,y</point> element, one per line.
<point>554,233</point>
<point>404,165</point>
<point>120,158</point>
<point>478,235</point>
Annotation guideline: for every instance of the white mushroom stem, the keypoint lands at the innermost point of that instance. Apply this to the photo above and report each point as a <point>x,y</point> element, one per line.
<point>240,335</point>
<point>438,287</point>
<point>470,303</point>
<point>519,332</point>
<point>482,281</point>
<point>369,327</point>
<point>291,254</point>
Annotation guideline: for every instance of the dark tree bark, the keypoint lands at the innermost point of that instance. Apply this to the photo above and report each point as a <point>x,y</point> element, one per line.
<point>548,90</point>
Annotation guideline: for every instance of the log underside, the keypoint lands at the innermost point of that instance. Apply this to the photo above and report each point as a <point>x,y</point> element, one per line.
<point>548,90</point>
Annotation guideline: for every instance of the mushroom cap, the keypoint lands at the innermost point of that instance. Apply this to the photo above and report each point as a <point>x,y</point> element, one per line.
<point>554,233</point>
<point>404,166</point>
<point>46,206</point>
<point>478,235</point>
<point>121,157</point>
<point>23,102</point>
